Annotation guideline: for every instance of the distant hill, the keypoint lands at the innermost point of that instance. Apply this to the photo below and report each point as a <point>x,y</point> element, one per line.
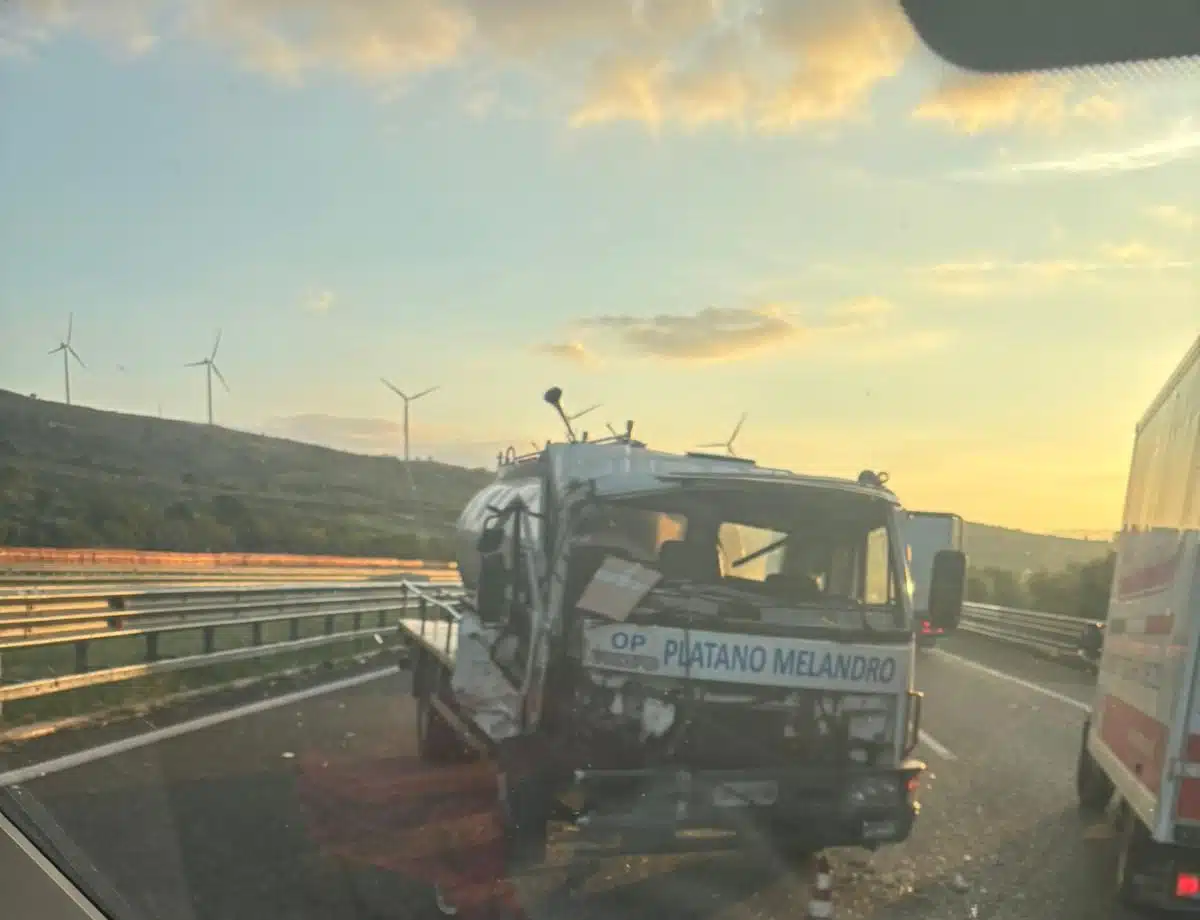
<point>1018,551</point>
<point>73,476</point>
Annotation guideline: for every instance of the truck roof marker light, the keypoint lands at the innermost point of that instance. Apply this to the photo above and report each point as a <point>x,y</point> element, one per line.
<point>1187,885</point>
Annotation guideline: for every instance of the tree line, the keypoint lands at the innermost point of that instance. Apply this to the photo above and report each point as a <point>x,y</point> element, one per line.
<point>1079,590</point>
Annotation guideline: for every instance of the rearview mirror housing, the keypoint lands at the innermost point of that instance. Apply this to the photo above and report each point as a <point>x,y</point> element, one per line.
<point>947,588</point>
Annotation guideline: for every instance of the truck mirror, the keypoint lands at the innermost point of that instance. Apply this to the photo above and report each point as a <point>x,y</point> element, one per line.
<point>947,588</point>
<point>490,541</point>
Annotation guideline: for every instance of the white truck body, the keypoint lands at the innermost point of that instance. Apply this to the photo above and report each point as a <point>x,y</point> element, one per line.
<point>927,533</point>
<point>1145,721</point>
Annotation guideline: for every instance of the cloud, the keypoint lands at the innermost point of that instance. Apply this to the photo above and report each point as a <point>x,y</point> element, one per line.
<point>1181,142</point>
<point>982,277</point>
<point>972,104</point>
<point>361,435</point>
<point>575,352</point>
<point>839,51</point>
<point>125,25</point>
<point>1173,216</point>
<point>711,334</point>
<point>799,63</point>
<point>737,333</point>
<point>1134,253</point>
<point>370,39</point>
<point>378,436</point>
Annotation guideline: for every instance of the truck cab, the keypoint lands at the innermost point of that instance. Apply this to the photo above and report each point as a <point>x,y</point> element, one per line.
<point>656,644</point>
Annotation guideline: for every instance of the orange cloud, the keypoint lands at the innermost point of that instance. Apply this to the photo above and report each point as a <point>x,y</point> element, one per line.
<point>973,104</point>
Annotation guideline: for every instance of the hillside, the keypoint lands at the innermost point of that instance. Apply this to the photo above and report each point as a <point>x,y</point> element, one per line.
<point>1018,551</point>
<point>73,476</point>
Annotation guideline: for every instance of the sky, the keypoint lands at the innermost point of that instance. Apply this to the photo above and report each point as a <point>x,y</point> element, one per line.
<point>681,209</point>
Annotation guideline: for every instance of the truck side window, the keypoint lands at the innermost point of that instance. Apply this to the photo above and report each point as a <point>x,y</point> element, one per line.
<point>877,568</point>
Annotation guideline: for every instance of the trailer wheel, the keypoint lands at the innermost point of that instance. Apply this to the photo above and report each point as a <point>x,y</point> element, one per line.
<point>1135,844</point>
<point>1092,784</point>
<point>436,740</point>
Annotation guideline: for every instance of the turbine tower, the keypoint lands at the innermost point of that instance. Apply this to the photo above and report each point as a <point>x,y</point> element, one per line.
<point>68,352</point>
<point>728,445</point>
<point>210,367</point>
<point>408,400</point>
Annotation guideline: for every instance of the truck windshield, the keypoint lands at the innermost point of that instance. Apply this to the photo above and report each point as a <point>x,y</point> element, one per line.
<point>819,553</point>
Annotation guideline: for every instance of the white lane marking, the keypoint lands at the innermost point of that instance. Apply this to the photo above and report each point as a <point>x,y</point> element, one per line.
<point>79,758</point>
<point>936,746</point>
<point>1028,685</point>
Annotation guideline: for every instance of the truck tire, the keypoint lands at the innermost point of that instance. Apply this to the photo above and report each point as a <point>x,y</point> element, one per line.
<point>1092,785</point>
<point>526,805</point>
<point>436,740</point>
<point>1133,858</point>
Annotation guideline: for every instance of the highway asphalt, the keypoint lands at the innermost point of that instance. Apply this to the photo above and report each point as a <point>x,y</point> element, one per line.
<point>217,822</point>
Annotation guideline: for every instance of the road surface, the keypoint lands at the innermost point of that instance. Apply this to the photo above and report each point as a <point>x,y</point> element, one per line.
<point>204,820</point>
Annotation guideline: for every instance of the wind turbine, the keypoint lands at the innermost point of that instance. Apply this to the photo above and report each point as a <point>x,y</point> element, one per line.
<point>68,352</point>
<point>728,445</point>
<point>210,367</point>
<point>407,401</point>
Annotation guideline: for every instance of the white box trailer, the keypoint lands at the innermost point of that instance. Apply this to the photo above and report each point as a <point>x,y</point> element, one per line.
<point>1141,744</point>
<point>926,534</point>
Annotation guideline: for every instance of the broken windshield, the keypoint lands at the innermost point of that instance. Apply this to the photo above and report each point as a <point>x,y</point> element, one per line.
<point>796,555</point>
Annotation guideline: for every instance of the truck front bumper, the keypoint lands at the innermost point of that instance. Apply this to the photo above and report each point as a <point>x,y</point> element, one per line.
<point>799,808</point>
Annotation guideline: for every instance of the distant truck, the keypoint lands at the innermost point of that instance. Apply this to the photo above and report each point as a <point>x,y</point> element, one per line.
<point>1140,751</point>
<point>927,533</point>
<point>662,646</point>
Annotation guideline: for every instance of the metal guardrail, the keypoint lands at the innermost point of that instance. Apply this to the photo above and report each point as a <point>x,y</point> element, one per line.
<point>346,612</point>
<point>1052,634</point>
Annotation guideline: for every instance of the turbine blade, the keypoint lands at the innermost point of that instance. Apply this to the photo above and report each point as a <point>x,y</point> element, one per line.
<point>197,363</point>
<point>220,376</point>
<point>395,389</point>
<point>75,355</point>
<point>738,427</point>
<point>70,326</point>
<point>423,393</point>
<point>721,444</point>
<point>585,412</point>
<point>216,345</point>
<point>54,351</point>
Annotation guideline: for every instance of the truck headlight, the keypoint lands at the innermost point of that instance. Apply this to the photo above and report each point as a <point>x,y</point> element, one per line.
<point>871,791</point>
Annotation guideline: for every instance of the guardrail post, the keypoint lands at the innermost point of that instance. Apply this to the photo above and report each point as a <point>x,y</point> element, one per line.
<point>357,620</point>
<point>293,630</point>
<point>210,637</point>
<point>81,655</point>
<point>421,612</point>
<point>329,625</point>
<point>256,633</point>
<point>151,646</point>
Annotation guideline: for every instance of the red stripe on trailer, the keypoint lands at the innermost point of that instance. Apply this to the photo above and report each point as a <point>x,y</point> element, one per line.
<point>1160,624</point>
<point>1188,806</point>
<point>1139,741</point>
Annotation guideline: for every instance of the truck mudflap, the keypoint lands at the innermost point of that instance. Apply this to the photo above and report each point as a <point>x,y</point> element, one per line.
<point>665,807</point>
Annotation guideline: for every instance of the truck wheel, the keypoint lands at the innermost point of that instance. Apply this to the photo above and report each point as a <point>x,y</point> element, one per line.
<point>526,806</point>
<point>1132,859</point>
<point>436,739</point>
<point>1092,785</point>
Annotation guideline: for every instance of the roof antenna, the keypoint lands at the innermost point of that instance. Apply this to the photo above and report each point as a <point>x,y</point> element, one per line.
<point>728,445</point>
<point>554,397</point>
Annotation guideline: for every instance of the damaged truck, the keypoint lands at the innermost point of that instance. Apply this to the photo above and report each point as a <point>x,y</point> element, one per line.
<point>681,651</point>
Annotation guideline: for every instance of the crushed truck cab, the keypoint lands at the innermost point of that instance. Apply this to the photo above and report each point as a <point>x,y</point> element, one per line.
<point>685,651</point>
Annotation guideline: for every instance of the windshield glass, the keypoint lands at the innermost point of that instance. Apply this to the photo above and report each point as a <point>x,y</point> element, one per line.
<point>294,294</point>
<point>784,546</point>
